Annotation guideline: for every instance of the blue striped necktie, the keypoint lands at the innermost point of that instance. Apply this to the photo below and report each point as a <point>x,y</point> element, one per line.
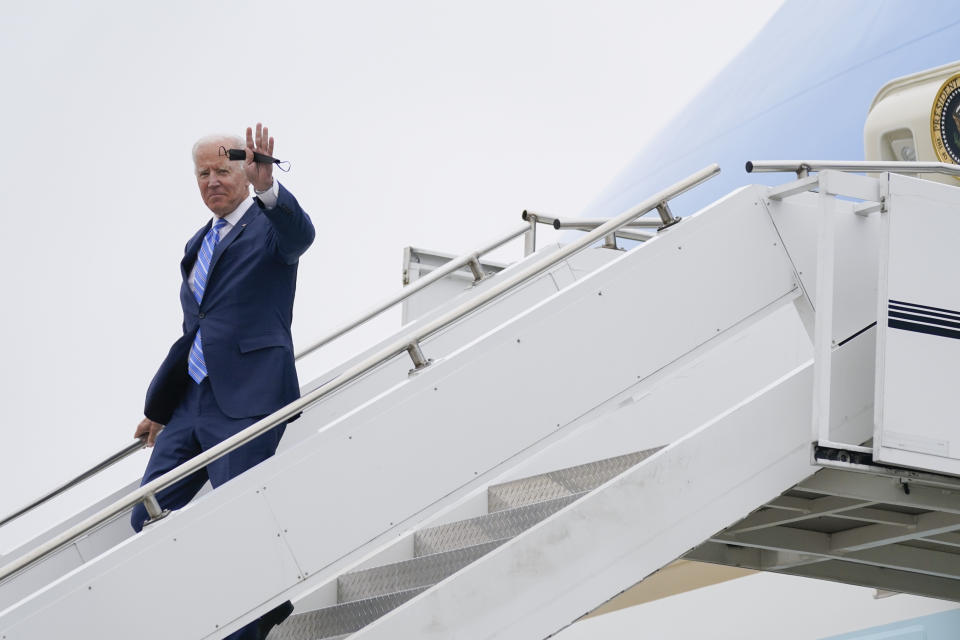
<point>195,363</point>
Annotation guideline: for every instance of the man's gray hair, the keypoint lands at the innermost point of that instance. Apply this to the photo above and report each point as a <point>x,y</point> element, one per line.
<point>227,140</point>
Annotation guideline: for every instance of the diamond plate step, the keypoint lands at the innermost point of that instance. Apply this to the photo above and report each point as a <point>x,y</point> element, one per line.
<point>493,526</point>
<point>424,571</point>
<point>340,620</point>
<point>561,483</point>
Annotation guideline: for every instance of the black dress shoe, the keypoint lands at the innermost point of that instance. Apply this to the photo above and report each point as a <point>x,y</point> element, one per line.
<point>274,617</point>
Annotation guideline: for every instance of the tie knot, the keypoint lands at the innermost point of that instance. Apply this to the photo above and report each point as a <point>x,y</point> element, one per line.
<point>220,224</point>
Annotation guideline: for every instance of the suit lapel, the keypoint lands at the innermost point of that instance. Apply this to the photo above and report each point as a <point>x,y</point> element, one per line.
<point>193,248</point>
<point>235,232</point>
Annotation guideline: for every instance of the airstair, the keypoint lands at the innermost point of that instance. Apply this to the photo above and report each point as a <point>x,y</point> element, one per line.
<point>734,387</point>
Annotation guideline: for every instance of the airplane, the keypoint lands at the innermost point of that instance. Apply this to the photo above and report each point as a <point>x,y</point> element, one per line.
<point>802,90</point>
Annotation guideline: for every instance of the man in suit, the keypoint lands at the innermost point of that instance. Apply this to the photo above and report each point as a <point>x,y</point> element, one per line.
<point>234,363</point>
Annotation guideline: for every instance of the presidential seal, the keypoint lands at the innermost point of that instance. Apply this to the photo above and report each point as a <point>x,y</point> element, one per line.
<point>945,121</point>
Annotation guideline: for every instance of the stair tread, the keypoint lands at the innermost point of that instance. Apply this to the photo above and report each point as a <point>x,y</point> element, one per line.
<point>562,482</point>
<point>416,572</point>
<point>340,620</point>
<point>486,528</point>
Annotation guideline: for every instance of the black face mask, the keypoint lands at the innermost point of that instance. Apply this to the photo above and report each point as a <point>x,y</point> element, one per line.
<point>262,158</point>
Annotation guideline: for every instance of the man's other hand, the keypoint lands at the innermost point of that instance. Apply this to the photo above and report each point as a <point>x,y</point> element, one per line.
<point>148,429</point>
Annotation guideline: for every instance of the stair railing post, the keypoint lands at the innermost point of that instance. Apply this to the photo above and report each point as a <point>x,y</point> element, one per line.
<point>530,237</point>
<point>154,510</point>
<point>476,269</point>
<point>416,355</point>
<point>666,216</point>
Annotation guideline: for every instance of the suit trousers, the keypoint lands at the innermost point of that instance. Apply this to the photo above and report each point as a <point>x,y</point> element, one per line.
<point>198,424</point>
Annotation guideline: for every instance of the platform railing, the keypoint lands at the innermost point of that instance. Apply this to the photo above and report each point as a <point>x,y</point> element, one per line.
<point>471,260</point>
<point>409,343</point>
<point>627,232</point>
<point>803,167</point>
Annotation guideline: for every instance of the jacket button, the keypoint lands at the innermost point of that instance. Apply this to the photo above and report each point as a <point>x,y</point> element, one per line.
<point>202,316</point>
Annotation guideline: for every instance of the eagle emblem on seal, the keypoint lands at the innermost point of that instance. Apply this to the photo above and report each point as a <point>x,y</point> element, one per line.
<point>945,121</point>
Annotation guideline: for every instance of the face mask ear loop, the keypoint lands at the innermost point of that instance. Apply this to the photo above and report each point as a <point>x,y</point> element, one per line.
<point>283,165</point>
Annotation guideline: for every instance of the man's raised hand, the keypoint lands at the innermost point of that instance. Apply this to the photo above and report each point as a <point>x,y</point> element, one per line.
<point>260,174</point>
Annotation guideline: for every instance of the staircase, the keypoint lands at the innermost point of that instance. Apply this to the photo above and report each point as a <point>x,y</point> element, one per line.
<point>513,507</point>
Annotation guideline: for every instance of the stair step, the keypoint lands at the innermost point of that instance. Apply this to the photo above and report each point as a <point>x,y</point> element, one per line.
<point>340,620</point>
<point>408,574</point>
<point>561,483</point>
<point>482,529</point>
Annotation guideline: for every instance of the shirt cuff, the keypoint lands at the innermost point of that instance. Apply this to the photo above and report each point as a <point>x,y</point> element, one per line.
<point>270,196</point>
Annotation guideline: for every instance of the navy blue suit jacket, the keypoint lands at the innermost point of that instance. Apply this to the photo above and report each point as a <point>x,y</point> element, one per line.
<point>245,315</point>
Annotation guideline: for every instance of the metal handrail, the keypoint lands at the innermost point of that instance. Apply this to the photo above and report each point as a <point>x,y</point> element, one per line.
<point>803,167</point>
<point>409,342</point>
<point>131,448</point>
<point>584,224</point>
<point>468,259</point>
<point>628,231</point>
<point>625,235</point>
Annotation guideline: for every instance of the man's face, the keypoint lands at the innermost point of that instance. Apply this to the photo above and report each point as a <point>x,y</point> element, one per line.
<point>223,184</point>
